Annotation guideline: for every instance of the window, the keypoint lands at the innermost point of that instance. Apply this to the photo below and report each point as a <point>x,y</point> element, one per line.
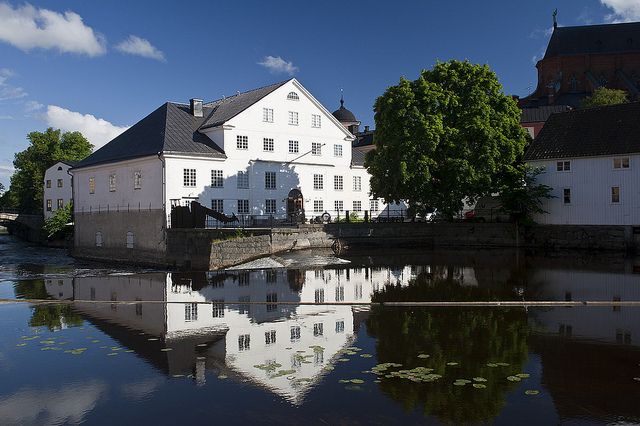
<point>338,183</point>
<point>318,329</point>
<point>243,206</point>
<point>270,337</point>
<point>318,182</point>
<point>272,298</point>
<point>216,179</point>
<point>373,205</point>
<point>60,183</point>
<point>316,148</point>
<point>112,183</point>
<point>243,180</point>
<point>189,177</point>
<point>621,163</point>
<point>244,308</point>
<point>48,183</point>
<point>217,205</point>
<point>267,115</point>
<point>295,333</point>
<point>318,206</point>
<point>566,195</point>
<point>338,205</point>
<point>337,150</point>
<point>293,118</point>
<point>267,144</point>
<point>190,312</point>
<point>293,96</point>
<point>315,120</point>
<point>138,308</point>
<point>242,142</point>
<point>130,239</point>
<point>137,179</point>
<point>98,239</point>
<point>270,206</point>
<point>357,206</point>
<point>49,205</point>
<point>269,180</point>
<point>563,166</point>
<point>319,296</point>
<point>339,326</point>
<point>243,279</point>
<point>615,194</point>
<point>357,292</point>
<point>217,306</point>
<point>60,203</point>
<point>92,185</point>
<point>339,293</point>
<point>293,147</point>
<point>244,342</point>
<point>357,183</point>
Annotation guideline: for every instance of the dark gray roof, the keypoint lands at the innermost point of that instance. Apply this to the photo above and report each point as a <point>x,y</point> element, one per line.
<point>69,163</point>
<point>364,138</point>
<point>608,130</point>
<point>225,109</point>
<point>542,113</point>
<point>170,128</point>
<point>358,153</point>
<point>610,38</point>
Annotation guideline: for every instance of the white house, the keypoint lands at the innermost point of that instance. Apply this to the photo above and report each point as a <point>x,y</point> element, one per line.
<point>273,151</point>
<point>591,159</point>
<point>57,187</point>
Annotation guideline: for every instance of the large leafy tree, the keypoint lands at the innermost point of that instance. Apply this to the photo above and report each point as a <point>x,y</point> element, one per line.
<point>450,135</point>
<point>604,96</point>
<point>44,150</point>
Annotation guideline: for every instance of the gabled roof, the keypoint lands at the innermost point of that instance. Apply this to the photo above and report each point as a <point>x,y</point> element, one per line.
<point>358,154</point>
<point>170,128</point>
<point>608,130</point>
<point>541,113</point>
<point>225,109</point>
<point>590,39</point>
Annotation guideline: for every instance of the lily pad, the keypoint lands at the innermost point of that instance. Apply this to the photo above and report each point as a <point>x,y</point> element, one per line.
<point>531,392</point>
<point>222,377</point>
<point>165,349</point>
<point>503,364</point>
<point>112,354</point>
<point>492,365</point>
<point>95,341</point>
<point>23,344</point>
<point>343,359</point>
<point>178,375</point>
<point>452,364</point>
<point>479,385</point>
<point>153,339</point>
<point>637,379</point>
<point>366,355</point>
<point>479,379</point>
<point>357,381</point>
<point>523,375</point>
<point>423,356</point>
<point>344,381</point>
<point>456,383</point>
<point>514,378</point>
<point>353,388</point>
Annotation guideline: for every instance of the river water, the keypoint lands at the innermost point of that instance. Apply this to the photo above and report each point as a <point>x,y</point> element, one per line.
<point>303,343</point>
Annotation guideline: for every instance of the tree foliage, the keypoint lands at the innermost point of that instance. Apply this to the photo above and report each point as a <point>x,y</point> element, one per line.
<point>449,135</point>
<point>56,224</point>
<point>522,196</point>
<point>604,96</point>
<point>44,150</point>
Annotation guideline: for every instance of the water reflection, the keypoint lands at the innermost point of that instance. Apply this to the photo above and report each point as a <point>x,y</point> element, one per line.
<point>255,327</point>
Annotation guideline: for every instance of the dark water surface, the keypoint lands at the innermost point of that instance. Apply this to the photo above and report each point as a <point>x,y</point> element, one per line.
<point>243,347</point>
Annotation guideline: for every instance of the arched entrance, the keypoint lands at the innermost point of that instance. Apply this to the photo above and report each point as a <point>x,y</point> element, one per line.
<point>295,206</point>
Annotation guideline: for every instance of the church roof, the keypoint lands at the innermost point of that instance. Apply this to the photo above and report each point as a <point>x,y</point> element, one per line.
<point>590,39</point>
<point>607,130</point>
<point>541,114</point>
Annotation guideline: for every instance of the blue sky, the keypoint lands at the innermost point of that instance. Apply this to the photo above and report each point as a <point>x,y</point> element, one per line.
<point>101,66</point>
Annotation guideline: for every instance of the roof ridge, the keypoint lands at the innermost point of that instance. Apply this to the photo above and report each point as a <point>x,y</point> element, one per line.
<point>225,98</point>
<point>597,25</point>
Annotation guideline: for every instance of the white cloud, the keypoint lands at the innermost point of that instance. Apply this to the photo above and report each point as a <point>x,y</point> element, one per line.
<point>27,27</point>
<point>135,45</point>
<point>97,130</point>
<point>8,91</point>
<point>6,117</point>
<point>539,32</point>
<point>32,106</point>
<point>623,10</point>
<point>277,65</point>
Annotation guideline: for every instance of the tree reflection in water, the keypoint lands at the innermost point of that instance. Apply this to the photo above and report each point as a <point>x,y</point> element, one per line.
<point>52,316</point>
<point>471,337</point>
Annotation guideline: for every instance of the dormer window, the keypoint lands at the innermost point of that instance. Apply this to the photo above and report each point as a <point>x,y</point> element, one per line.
<point>293,96</point>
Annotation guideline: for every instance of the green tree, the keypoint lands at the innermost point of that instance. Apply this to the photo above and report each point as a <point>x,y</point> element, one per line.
<point>603,96</point>
<point>522,196</point>
<point>449,135</point>
<point>56,224</point>
<point>45,149</point>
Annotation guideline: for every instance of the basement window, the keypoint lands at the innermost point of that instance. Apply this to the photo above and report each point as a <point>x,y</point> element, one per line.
<point>137,179</point>
<point>112,183</point>
<point>98,239</point>
<point>130,239</point>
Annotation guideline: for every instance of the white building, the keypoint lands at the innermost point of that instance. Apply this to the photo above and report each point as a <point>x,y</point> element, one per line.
<point>591,159</point>
<point>269,152</point>
<point>57,187</point>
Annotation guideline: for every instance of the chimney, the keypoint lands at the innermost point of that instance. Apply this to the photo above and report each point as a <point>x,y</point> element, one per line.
<point>196,107</point>
<point>366,128</point>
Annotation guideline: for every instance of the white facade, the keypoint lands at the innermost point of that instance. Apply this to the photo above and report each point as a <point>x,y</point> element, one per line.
<point>591,190</point>
<point>58,190</point>
<point>272,147</point>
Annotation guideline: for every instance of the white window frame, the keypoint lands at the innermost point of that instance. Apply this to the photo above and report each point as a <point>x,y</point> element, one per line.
<point>338,182</point>
<point>60,183</point>
<point>617,192</point>
<point>293,96</point>
<point>243,180</point>
<point>294,147</point>
<point>270,206</point>
<point>318,206</point>
<point>217,205</point>
<point>112,182</point>
<point>267,115</point>
<point>357,205</point>
<point>189,178</point>
<point>243,207</point>
<point>338,205</point>
<point>130,241</point>
<point>98,239</point>
<point>217,179</point>
<point>318,182</point>
<point>357,183</point>
<point>563,166</point>
<point>316,148</point>
<point>242,142</point>
<point>374,206</point>
<point>621,163</point>
<point>337,150</point>
<point>92,185</point>
<point>316,121</point>
<point>270,180</point>
<point>49,205</point>
<point>267,144</point>
<point>137,179</point>
<point>270,337</point>
<point>59,203</point>
<point>293,118</point>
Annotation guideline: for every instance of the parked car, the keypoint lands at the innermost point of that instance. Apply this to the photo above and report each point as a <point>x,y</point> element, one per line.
<point>488,209</point>
<point>426,214</point>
